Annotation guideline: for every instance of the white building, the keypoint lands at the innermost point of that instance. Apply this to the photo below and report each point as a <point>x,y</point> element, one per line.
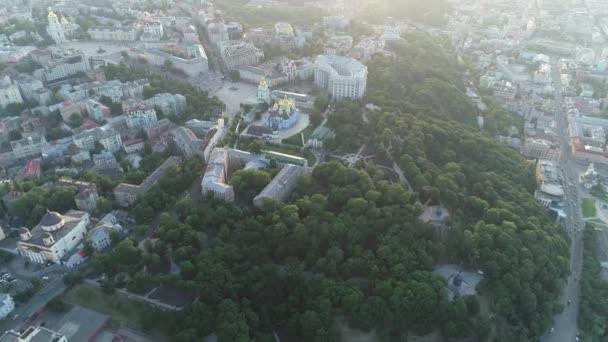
<point>111,33</point>
<point>189,58</point>
<point>7,305</point>
<point>28,148</point>
<point>64,64</point>
<point>100,236</point>
<point>341,77</point>
<point>97,111</point>
<point>54,237</point>
<point>140,116</point>
<point>9,92</point>
<point>153,30</point>
<point>109,138</point>
<point>33,334</point>
<point>55,29</point>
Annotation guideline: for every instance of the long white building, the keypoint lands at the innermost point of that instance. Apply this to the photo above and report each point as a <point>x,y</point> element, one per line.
<point>342,77</point>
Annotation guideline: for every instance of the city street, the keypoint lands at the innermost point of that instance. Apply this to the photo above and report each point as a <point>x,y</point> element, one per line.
<point>565,323</point>
<point>17,319</point>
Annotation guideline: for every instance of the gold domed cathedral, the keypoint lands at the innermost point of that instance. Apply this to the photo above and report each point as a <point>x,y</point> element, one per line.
<point>55,28</point>
<point>283,114</point>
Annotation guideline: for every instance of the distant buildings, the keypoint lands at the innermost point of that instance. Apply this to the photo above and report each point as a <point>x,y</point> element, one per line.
<point>112,33</point>
<point>588,138</point>
<point>126,194</point>
<point>9,92</point>
<point>341,77</point>
<point>64,64</point>
<point>540,149</point>
<point>97,111</point>
<point>28,148</point>
<point>140,115</point>
<point>152,30</point>
<point>235,53</point>
<point>133,145</point>
<point>189,58</point>
<point>54,237</point>
<point>335,22</point>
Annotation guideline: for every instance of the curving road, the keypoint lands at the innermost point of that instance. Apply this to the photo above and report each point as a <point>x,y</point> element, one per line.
<point>565,323</point>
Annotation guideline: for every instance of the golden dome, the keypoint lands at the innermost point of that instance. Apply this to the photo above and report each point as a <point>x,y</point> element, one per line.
<point>263,82</point>
<point>52,15</point>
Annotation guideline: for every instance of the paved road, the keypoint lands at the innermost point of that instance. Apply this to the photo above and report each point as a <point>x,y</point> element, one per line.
<point>18,318</point>
<point>565,323</point>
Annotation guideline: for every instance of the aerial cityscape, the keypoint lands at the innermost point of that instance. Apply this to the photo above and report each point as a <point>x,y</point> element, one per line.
<point>290,170</point>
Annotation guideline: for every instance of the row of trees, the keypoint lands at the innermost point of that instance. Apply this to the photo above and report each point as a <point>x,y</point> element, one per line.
<point>593,308</point>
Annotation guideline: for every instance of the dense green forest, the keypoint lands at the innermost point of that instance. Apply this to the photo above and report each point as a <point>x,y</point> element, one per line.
<point>348,247</point>
<point>594,292</point>
<point>498,226</point>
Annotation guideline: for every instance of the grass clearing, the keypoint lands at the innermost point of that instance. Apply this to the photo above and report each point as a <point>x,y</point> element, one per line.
<point>123,311</point>
<point>588,205</point>
<point>296,139</point>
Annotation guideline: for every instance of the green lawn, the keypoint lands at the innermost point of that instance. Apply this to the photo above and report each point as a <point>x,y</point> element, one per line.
<point>296,139</point>
<point>588,207</point>
<point>124,311</point>
<point>294,151</point>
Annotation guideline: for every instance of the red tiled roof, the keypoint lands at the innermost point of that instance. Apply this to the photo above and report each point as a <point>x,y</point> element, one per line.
<point>32,167</point>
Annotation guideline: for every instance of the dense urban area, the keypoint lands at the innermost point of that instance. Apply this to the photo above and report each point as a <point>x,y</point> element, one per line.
<point>289,170</point>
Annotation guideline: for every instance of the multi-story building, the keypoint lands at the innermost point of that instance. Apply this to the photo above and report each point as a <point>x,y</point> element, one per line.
<point>341,77</point>
<point>112,33</point>
<point>540,149</point>
<point>54,237</point>
<point>550,192</point>
<point>189,58</point>
<point>235,53</point>
<point>152,30</point>
<point>104,160</point>
<point>174,104</point>
<point>109,138</point>
<point>338,45</point>
<point>97,111</point>
<point>126,194</point>
<point>64,64</point>
<point>217,32</point>
<point>235,30</point>
<point>28,85</point>
<point>28,148</point>
<point>281,186</point>
<point>133,145</point>
<point>140,115</point>
<point>9,92</point>
<point>85,140</point>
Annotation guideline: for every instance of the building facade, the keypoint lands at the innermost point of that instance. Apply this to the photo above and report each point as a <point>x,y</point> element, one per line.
<point>54,237</point>
<point>140,116</point>
<point>341,77</point>
<point>9,92</point>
